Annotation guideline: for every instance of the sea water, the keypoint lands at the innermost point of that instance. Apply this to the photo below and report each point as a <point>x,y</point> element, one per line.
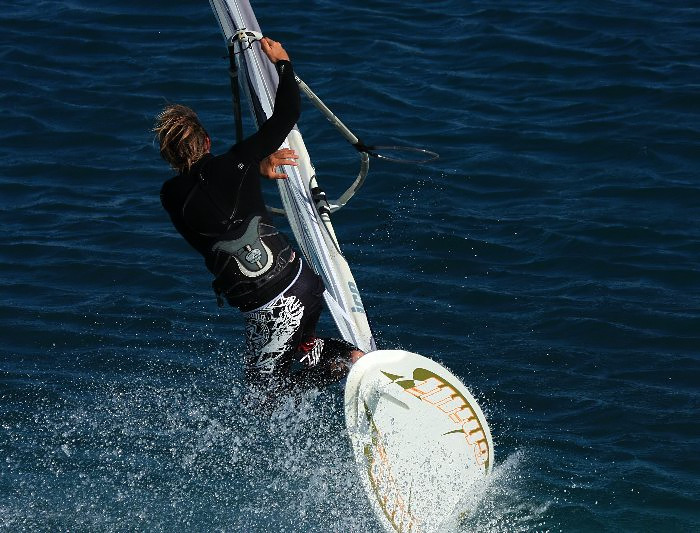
<point>550,258</point>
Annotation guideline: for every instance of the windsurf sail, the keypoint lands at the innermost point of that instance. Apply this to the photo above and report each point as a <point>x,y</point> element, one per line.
<point>303,201</point>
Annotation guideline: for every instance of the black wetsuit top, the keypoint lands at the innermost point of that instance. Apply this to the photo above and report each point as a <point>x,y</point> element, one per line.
<point>233,179</point>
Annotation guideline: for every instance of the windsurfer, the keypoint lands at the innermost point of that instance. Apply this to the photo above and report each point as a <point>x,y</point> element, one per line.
<point>216,204</point>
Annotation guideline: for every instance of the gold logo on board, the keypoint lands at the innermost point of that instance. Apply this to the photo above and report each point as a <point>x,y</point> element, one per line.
<point>438,392</point>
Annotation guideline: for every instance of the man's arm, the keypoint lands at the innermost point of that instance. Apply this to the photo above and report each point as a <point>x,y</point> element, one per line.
<point>286,111</point>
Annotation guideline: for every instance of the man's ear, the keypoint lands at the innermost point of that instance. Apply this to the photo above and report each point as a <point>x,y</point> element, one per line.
<point>207,144</point>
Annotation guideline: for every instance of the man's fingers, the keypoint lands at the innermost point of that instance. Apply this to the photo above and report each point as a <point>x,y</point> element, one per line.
<point>286,153</point>
<point>282,157</point>
<point>279,161</point>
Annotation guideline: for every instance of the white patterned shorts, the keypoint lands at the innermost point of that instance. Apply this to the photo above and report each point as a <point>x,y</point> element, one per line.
<point>276,332</point>
<point>281,338</point>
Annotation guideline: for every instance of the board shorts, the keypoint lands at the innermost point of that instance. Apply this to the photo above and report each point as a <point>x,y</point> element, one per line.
<point>282,349</point>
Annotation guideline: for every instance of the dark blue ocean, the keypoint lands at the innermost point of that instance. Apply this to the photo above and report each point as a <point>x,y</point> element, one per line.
<point>550,258</point>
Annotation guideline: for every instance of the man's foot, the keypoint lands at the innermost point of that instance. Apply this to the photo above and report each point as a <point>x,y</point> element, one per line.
<point>355,355</point>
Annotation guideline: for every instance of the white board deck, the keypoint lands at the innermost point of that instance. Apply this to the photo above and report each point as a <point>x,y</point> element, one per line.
<point>419,438</point>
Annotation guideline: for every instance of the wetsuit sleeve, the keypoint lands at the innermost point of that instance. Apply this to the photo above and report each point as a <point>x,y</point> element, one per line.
<point>285,114</point>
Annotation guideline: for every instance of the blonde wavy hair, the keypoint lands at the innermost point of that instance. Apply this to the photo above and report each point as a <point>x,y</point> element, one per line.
<point>182,138</point>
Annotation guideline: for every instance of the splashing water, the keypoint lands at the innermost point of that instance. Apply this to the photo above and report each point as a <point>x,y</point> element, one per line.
<point>502,502</point>
<point>150,455</point>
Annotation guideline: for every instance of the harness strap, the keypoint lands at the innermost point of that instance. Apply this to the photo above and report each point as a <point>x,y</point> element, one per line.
<point>227,220</point>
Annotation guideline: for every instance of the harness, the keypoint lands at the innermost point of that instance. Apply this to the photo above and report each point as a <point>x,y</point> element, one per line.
<point>248,254</point>
<point>252,256</point>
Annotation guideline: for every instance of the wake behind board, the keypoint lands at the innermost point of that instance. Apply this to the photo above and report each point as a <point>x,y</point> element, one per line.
<point>420,439</point>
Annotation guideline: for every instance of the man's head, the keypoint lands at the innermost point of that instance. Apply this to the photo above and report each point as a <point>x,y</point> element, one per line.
<point>183,140</point>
